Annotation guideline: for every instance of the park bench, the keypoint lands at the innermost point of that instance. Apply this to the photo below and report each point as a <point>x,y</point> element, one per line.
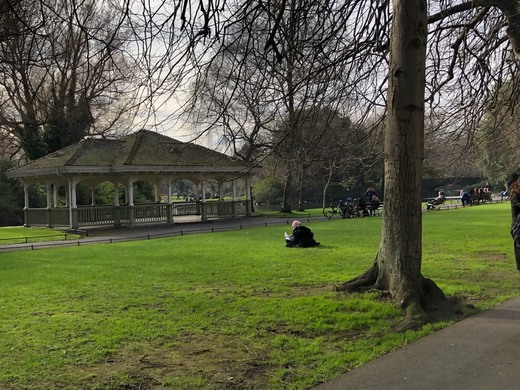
<point>482,197</point>
<point>375,210</point>
<point>435,203</point>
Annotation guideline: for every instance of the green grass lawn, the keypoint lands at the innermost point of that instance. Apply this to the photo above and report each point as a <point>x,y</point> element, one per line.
<point>309,213</point>
<point>231,309</point>
<point>20,234</point>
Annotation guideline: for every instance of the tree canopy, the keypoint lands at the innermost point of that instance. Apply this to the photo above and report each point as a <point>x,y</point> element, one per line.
<point>64,73</point>
<point>142,53</point>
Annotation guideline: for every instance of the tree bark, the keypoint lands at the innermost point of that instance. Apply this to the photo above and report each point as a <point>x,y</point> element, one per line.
<point>301,188</point>
<point>510,8</point>
<point>397,267</point>
<point>286,200</point>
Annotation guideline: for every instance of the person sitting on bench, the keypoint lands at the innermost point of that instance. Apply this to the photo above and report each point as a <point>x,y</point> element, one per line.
<point>436,202</point>
<point>374,205</point>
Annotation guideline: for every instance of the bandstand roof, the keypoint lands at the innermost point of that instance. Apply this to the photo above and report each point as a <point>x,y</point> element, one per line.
<point>142,152</point>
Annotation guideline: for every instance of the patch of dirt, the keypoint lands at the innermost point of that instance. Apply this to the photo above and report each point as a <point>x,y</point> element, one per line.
<point>223,364</point>
<point>310,290</point>
<point>488,255</point>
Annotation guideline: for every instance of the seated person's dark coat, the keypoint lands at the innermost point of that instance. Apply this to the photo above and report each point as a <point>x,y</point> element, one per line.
<point>302,237</point>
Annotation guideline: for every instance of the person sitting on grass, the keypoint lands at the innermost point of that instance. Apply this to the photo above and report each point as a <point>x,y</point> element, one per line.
<point>301,237</point>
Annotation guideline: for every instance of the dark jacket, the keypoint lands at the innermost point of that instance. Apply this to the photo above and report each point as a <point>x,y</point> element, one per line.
<point>515,216</point>
<point>302,237</point>
<point>515,209</point>
<point>515,226</point>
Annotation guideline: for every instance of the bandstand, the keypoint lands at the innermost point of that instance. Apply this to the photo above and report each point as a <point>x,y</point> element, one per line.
<point>141,156</point>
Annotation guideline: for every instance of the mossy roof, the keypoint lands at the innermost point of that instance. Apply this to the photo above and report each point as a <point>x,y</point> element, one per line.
<point>143,151</point>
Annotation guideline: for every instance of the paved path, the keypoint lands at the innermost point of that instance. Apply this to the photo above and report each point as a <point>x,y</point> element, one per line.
<point>97,235</point>
<point>481,352</point>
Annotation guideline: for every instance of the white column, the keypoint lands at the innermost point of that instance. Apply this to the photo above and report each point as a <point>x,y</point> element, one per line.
<point>169,186</point>
<point>26,196</point>
<point>204,211</point>
<point>55,195</point>
<point>49,187</point>
<point>197,190</point>
<point>156,193</point>
<point>248,189</point>
<point>234,189</point>
<point>73,194</point>
<point>248,196</point>
<point>130,192</point>
<point>92,196</point>
<point>71,201</point>
<point>220,191</point>
<point>169,207</point>
<point>116,193</point>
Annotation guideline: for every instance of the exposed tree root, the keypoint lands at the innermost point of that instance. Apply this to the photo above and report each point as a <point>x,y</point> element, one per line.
<point>361,283</point>
<point>423,302</point>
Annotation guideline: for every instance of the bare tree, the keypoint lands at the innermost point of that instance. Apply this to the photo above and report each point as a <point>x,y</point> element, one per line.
<point>325,143</point>
<point>496,149</point>
<point>258,97</point>
<point>236,104</point>
<point>63,74</point>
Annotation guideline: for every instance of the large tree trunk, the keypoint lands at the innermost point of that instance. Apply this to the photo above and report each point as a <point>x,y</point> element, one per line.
<point>397,267</point>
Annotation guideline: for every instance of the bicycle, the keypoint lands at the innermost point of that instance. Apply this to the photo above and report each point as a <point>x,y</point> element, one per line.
<point>331,211</point>
<point>340,209</point>
<point>344,209</point>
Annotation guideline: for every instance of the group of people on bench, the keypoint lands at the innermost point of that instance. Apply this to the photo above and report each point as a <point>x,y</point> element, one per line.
<point>362,206</point>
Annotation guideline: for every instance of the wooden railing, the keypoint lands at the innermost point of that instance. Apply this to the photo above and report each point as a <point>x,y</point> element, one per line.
<point>129,215</point>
